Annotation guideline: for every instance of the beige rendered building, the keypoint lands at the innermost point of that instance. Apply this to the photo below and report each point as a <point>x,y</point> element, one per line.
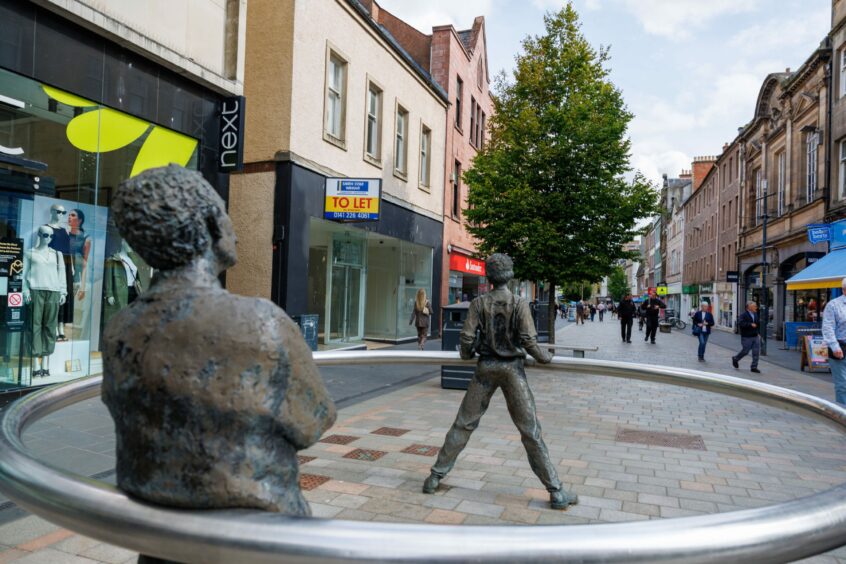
<point>333,95</point>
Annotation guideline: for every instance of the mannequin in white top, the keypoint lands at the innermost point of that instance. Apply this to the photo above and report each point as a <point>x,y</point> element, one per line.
<point>45,287</point>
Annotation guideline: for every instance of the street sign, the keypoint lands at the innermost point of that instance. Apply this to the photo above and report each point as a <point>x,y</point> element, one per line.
<point>352,199</point>
<point>819,233</point>
<point>733,276</point>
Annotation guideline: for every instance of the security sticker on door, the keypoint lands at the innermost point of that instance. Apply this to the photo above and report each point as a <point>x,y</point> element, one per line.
<point>352,199</point>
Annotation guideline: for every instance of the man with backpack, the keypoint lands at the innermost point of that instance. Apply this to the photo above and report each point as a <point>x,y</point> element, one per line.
<point>506,333</point>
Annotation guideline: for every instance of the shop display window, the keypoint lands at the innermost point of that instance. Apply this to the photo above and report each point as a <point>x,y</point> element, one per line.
<point>64,270</point>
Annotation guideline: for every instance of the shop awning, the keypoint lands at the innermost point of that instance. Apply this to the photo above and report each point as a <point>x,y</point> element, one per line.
<point>827,272</point>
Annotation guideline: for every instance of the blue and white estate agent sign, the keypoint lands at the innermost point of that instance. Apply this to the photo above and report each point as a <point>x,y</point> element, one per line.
<point>352,199</point>
<point>819,232</point>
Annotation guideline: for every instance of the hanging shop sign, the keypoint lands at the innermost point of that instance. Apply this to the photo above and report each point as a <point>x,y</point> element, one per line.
<point>733,276</point>
<point>661,290</point>
<point>352,199</point>
<point>463,263</point>
<point>838,235</point>
<point>819,233</point>
<point>232,134</point>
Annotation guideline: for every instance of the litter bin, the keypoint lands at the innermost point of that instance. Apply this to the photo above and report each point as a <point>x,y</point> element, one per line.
<point>454,377</point>
<point>540,313</point>
<point>308,327</point>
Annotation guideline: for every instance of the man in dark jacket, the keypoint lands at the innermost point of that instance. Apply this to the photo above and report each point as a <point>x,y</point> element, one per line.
<point>626,312</point>
<point>750,339</point>
<point>651,307</point>
<point>506,335</point>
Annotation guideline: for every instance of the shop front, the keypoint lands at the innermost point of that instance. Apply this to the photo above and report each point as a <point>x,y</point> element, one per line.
<point>674,298</point>
<point>359,277</point>
<point>466,278</point>
<point>66,143</point>
<point>724,313</point>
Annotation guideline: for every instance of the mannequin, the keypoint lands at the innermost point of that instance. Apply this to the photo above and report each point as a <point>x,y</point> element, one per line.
<point>121,281</point>
<point>44,286</point>
<point>61,243</point>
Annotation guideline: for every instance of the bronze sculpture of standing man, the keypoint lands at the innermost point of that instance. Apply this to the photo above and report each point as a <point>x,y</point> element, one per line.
<point>506,334</point>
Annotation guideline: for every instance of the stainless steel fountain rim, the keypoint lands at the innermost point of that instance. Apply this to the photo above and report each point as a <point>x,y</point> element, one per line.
<point>776,533</point>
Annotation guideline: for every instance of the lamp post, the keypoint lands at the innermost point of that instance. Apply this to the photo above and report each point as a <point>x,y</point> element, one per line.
<point>765,298</point>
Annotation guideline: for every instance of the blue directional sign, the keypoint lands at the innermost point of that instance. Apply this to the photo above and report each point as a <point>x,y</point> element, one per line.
<point>819,233</point>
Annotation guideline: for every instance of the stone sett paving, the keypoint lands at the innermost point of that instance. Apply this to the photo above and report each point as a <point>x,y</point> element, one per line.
<point>754,455</point>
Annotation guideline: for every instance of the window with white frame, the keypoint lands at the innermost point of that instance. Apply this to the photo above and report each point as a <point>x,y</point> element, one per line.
<point>759,193</point>
<point>401,145</point>
<point>336,78</point>
<point>425,155</point>
<point>373,141</point>
<point>811,165</point>
<point>781,182</point>
<point>842,180</point>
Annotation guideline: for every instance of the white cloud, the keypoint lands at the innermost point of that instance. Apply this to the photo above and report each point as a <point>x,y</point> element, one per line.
<point>426,15</point>
<point>778,34</point>
<point>593,5</point>
<point>677,19</point>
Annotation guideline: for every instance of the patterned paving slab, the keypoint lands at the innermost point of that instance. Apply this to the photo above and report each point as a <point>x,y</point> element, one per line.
<point>365,454</point>
<point>304,459</point>
<point>309,482</point>
<point>422,450</point>
<point>660,438</point>
<point>390,431</point>
<point>339,439</point>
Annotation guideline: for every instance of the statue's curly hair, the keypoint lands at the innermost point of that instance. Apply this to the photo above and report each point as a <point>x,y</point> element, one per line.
<point>499,268</point>
<point>166,214</point>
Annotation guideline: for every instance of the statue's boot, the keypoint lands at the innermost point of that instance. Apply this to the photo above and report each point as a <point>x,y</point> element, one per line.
<point>561,499</point>
<point>431,484</point>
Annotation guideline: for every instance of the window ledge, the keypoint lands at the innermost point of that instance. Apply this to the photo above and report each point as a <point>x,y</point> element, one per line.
<point>424,188</point>
<point>329,138</point>
<point>401,175</point>
<point>372,161</point>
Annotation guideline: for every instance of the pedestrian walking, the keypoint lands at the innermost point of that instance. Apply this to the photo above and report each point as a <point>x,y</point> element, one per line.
<point>834,333</point>
<point>750,339</point>
<point>580,313</point>
<point>651,308</point>
<point>506,334</point>
<point>601,309</point>
<point>702,323</point>
<point>592,312</point>
<point>626,312</point>
<point>420,317</point>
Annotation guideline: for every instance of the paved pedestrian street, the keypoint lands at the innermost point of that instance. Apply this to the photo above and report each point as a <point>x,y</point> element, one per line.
<point>631,450</point>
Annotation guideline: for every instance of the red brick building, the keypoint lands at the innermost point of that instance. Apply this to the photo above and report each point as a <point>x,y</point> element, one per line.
<point>458,62</point>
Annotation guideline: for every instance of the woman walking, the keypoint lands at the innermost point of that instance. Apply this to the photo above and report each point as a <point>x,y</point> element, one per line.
<point>702,323</point>
<point>420,317</point>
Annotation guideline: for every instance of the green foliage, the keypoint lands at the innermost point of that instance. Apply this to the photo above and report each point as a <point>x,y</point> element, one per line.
<point>618,286</point>
<point>548,189</point>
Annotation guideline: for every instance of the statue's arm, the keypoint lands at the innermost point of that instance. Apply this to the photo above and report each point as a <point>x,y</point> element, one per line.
<point>307,411</point>
<point>468,331</point>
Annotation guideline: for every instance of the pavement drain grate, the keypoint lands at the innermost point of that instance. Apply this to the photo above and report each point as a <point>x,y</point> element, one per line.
<point>390,431</point>
<point>660,438</point>
<point>422,450</point>
<point>366,455</point>
<point>339,439</point>
<point>310,481</point>
<point>304,459</point>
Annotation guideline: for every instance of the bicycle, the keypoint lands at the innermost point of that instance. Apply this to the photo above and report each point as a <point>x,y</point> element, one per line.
<point>676,322</point>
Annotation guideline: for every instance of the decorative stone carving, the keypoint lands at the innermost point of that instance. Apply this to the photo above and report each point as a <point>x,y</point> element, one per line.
<point>212,394</point>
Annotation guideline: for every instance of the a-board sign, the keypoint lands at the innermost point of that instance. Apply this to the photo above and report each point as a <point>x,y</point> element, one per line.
<point>352,199</point>
<point>814,353</point>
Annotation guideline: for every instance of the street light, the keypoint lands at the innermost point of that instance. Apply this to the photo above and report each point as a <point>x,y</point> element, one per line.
<point>764,315</point>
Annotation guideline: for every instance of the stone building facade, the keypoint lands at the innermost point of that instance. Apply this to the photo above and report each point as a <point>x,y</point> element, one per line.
<point>784,161</point>
<point>837,132</point>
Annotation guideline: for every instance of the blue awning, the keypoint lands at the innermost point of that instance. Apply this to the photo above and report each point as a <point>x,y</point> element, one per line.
<point>827,272</point>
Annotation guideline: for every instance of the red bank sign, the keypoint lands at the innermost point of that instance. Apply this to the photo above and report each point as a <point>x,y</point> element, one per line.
<point>463,263</point>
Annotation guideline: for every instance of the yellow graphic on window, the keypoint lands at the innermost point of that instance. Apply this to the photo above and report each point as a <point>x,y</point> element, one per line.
<point>103,130</point>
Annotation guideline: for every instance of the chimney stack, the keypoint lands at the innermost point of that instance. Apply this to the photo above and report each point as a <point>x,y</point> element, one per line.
<point>701,167</point>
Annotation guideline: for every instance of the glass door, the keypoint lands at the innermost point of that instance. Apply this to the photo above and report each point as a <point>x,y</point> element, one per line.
<point>345,307</point>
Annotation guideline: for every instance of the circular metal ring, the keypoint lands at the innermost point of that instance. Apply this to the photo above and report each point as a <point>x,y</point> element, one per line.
<point>776,533</point>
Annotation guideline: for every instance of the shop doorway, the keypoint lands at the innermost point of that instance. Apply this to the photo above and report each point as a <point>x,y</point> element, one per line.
<point>344,310</point>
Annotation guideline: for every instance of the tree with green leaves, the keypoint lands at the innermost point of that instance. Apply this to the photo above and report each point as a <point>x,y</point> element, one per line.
<point>549,187</point>
<point>618,286</point>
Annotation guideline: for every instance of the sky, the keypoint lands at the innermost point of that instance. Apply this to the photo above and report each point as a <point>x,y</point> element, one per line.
<point>690,70</point>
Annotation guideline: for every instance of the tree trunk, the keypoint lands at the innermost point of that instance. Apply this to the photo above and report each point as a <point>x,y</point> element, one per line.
<point>551,313</point>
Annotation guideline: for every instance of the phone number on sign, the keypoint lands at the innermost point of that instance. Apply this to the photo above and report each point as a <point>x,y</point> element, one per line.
<point>350,215</point>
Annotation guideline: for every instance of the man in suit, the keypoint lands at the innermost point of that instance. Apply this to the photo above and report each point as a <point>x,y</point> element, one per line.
<point>749,336</point>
